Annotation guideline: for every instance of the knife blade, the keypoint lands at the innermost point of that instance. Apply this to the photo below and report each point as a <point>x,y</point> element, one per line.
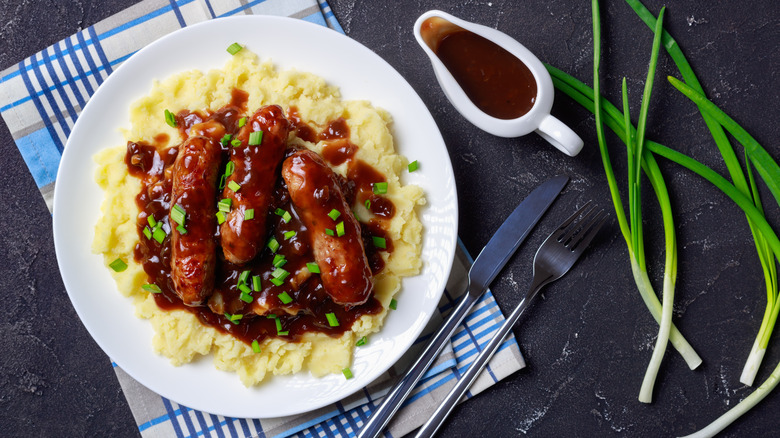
<point>483,271</point>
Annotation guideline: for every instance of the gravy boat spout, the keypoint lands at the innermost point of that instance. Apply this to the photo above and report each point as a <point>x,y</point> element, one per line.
<point>492,80</point>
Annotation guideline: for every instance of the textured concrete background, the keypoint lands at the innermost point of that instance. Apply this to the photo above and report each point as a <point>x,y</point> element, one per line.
<point>589,338</point>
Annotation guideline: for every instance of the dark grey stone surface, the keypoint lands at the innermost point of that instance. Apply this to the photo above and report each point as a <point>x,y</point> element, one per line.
<point>588,339</point>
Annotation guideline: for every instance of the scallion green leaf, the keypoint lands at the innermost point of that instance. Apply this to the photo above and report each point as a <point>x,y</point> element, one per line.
<point>150,220</point>
<point>249,214</point>
<point>170,119</point>
<point>159,234</point>
<point>230,167</point>
<point>361,342</point>
<point>334,214</point>
<point>147,232</point>
<point>241,122</point>
<point>273,245</point>
<point>414,165</point>
<point>255,138</point>
<point>329,232</point>
<point>332,320</point>
<point>289,234</point>
<point>178,214</point>
<point>380,188</point>
<point>234,186</point>
<point>340,229</point>
<point>235,142</point>
<point>234,48</point>
<point>118,265</point>
<point>285,298</point>
<point>257,283</point>
<point>225,140</point>
<point>221,217</point>
<point>243,277</point>
<point>245,296</point>
<point>347,373</point>
<point>393,304</point>
<point>153,288</point>
<point>224,205</point>
<point>379,242</point>
<point>256,346</point>
<point>313,268</point>
<point>279,260</point>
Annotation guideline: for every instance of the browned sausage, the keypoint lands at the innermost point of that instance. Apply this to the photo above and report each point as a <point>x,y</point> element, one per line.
<point>194,189</point>
<point>256,170</point>
<point>315,192</point>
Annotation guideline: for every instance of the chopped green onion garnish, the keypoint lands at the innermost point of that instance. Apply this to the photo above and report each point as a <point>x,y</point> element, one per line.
<point>280,273</point>
<point>286,216</point>
<point>379,242</point>
<point>332,319</point>
<point>224,205</point>
<point>347,373</point>
<point>234,186</point>
<point>147,232</point>
<point>273,245</point>
<point>178,214</point>
<point>361,342</point>
<point>153,288</point>
<point>255,138</point>
<point>278,325</point>
<point>118,265</point>
<point>245,297</point>
<point>220,217</point>
<point>170,119</point>
<point>249,214</point>
<point>334,214</point>
<point>313,268</point>
<point>257,283</point>
<point>241,122</point>
<point>368,204</point>
<point>181,229</point>
<point>393,304</point>
<point>235,142</point>
<point>279,260</point>
<point>222,181</point>
<point>159,235</point>
<point>234,48</point>
<point>151,221</point>
<point>380,188</point>
<point>277,281</point>
<point>244,289</point>
<point>289,235</point>
<point>235,319</point>
<point>229,168</point>
<point>226,140</point>
<point>243,277</point>
<point>256,346</point>
<point>329,232</point>
<point>340,229</point>
<point>285,298</point>
<point>271,316</point>
<point>414,165</point>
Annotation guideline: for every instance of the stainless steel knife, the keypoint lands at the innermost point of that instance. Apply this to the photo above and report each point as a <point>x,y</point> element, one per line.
<point>486,266</point>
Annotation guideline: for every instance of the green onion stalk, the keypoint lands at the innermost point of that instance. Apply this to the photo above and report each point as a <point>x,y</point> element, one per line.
<point>746,186</point>
<point>584,95</point>
<point>632,228</point>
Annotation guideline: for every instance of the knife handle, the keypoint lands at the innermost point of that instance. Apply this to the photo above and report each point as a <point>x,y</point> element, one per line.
<point>393,400</point>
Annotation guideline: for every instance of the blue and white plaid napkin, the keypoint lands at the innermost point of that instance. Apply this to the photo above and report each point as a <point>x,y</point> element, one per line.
<point>40,99</point>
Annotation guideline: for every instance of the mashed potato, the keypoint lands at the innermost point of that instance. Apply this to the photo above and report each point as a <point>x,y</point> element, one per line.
<point>178,333</point>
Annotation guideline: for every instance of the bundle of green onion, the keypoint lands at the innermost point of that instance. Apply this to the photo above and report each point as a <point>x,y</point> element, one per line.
<point>641,155</point>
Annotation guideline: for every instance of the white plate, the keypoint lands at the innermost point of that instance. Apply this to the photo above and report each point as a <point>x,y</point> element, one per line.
<point>289,43</point>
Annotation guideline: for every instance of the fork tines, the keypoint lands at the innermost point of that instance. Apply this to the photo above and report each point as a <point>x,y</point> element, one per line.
<point>578,235</point>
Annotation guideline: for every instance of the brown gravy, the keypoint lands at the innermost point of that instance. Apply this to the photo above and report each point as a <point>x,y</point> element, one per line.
<point>496,81</point>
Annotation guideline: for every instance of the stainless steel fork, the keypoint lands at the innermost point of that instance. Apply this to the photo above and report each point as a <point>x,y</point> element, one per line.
<point>554,258</point>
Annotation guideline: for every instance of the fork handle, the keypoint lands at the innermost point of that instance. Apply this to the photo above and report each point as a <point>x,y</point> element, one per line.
<point>476,367</point>
<point>393,400</point>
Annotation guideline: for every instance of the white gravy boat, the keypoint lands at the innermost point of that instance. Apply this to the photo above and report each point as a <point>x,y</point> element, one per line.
<point>537,119</point>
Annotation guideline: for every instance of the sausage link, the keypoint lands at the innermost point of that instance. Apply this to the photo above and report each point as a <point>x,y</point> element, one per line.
<point>315,192</point>
<point>194,189</point>
<point>255,170</point>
